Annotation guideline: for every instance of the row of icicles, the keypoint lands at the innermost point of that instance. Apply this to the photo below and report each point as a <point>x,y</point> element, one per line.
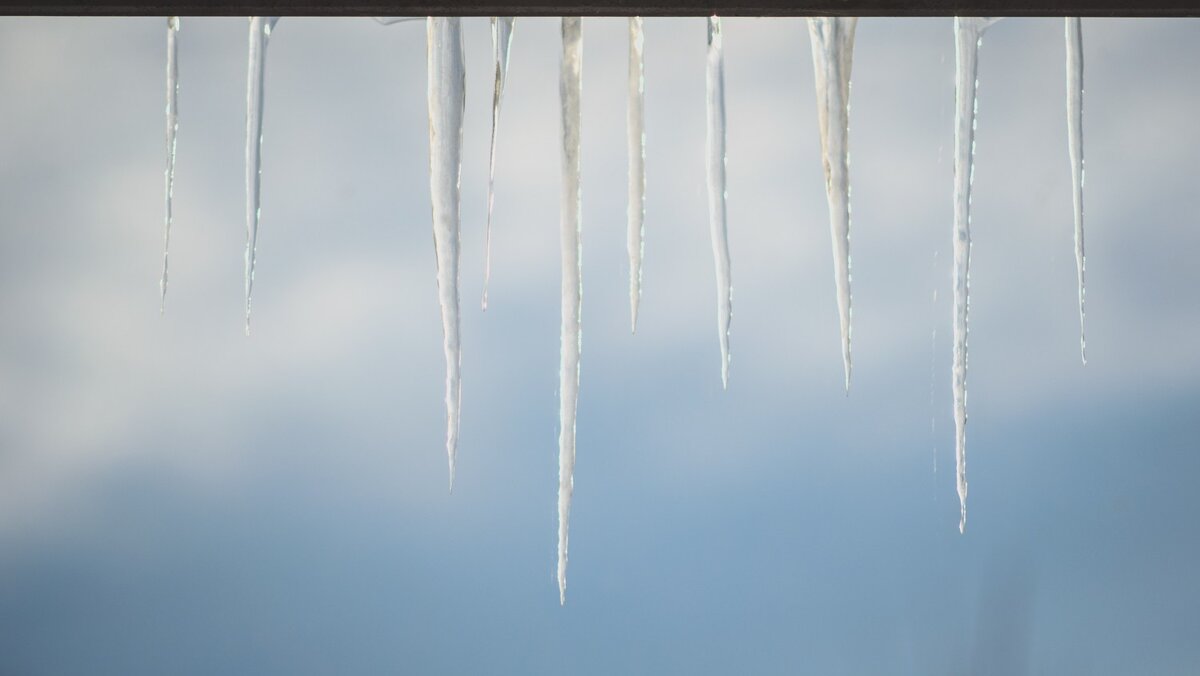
<point>832,45</point>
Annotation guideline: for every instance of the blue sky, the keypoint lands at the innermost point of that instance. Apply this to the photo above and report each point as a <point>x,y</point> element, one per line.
<point>178,498</point>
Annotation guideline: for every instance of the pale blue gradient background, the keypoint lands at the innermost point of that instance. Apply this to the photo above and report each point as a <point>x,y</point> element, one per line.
<point>178,499</point>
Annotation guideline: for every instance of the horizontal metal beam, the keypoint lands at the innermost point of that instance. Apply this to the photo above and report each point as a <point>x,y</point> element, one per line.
<point>1097,8</point>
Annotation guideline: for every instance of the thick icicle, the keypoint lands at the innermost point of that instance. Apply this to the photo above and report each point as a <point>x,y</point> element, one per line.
<point>260,32</point>
<point>968,34</point>
<point>1074,35</point>
<point>502,28</point>
<point>635,122</point>
<point>715,84</point>
<point>832,48</point>
<point>172,128</point>
<point>447,96</point>
<point>571,94</point>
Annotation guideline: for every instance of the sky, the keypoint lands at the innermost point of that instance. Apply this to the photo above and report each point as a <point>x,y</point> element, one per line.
<point>177,497</point>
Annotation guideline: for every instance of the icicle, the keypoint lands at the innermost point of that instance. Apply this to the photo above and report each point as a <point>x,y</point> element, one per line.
<point>260,31</point>
<point>1074,35</point>
<point>968,34</point>
<point>447,96</point>
<point>172,128</point>
<point>715,81</point>
<point>832,49</point>
<point>570,93</point>
<point>389,20</point>
<point>635,117</point>
<point>502,27</point>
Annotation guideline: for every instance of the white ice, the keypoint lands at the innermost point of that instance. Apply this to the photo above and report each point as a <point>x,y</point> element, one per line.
<point>1074,36</point>
<point>571,94</point>
<point>446,97</point>
<point>715,151</point>
<point>968,34</point>
<point>635,125</point>
<point>832,48</point>
<point>260,32</point>
<point>172,129</point>
<point>502,28</point>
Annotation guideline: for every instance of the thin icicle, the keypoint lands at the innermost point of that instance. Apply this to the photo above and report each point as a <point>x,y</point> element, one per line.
<point>715,83</point>
<point>260,32</point>
<point>172,128</point>
<point>932,372</point>
<point>447,97</point>
<point>832,48</point>
<point>635,122</point>
<point>502,28</point>
<point>571,94</point>
<point>1074,35</point>
<point>968,34</point>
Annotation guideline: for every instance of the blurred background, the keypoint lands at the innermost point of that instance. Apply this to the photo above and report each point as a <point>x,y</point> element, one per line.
<point>178,498</point>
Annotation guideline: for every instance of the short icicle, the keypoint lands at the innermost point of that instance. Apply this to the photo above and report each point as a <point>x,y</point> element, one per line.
<point>832,49</point>
<point>502,29</point>
<point>571,95</point>
<point>172,129</point>
<point>1074,35</point>
<point>968,34</point>
<point>715,87</point>
<point>447,97</point>
<point>635,124</point>
<point>260,32</point>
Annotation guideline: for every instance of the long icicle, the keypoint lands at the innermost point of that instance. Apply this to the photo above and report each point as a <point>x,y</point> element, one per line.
<point>260,32</point>
<point>635,124</point>
<point>172,129</point>
<point>968,34</point>
<point>715,86</point>
<point>571,95</point>
<point>447,97</point>
<point>1074,36</point>
<point>832,49</point>
<point>502,29</point>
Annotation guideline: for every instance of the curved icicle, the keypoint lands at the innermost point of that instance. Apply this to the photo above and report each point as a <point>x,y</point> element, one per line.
<point>1074,36</point>
<point>447,97</point>
<point>571,94</point>
<point>260,32</point>
<point>968,35</point>
<point>635,121</point>
<point>502,29</point>
<point>832,48</point>
<point>172,129</point>
<point>715,87</point>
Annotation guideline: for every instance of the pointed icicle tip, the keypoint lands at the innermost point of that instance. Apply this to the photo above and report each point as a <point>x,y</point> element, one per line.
<point>570,93</point>
<point>502,30</point>
<point>832,40</point>
<point>636,148</point>
<point>1074,48</point>
<point>446,98</point>
<point>715,165</point>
